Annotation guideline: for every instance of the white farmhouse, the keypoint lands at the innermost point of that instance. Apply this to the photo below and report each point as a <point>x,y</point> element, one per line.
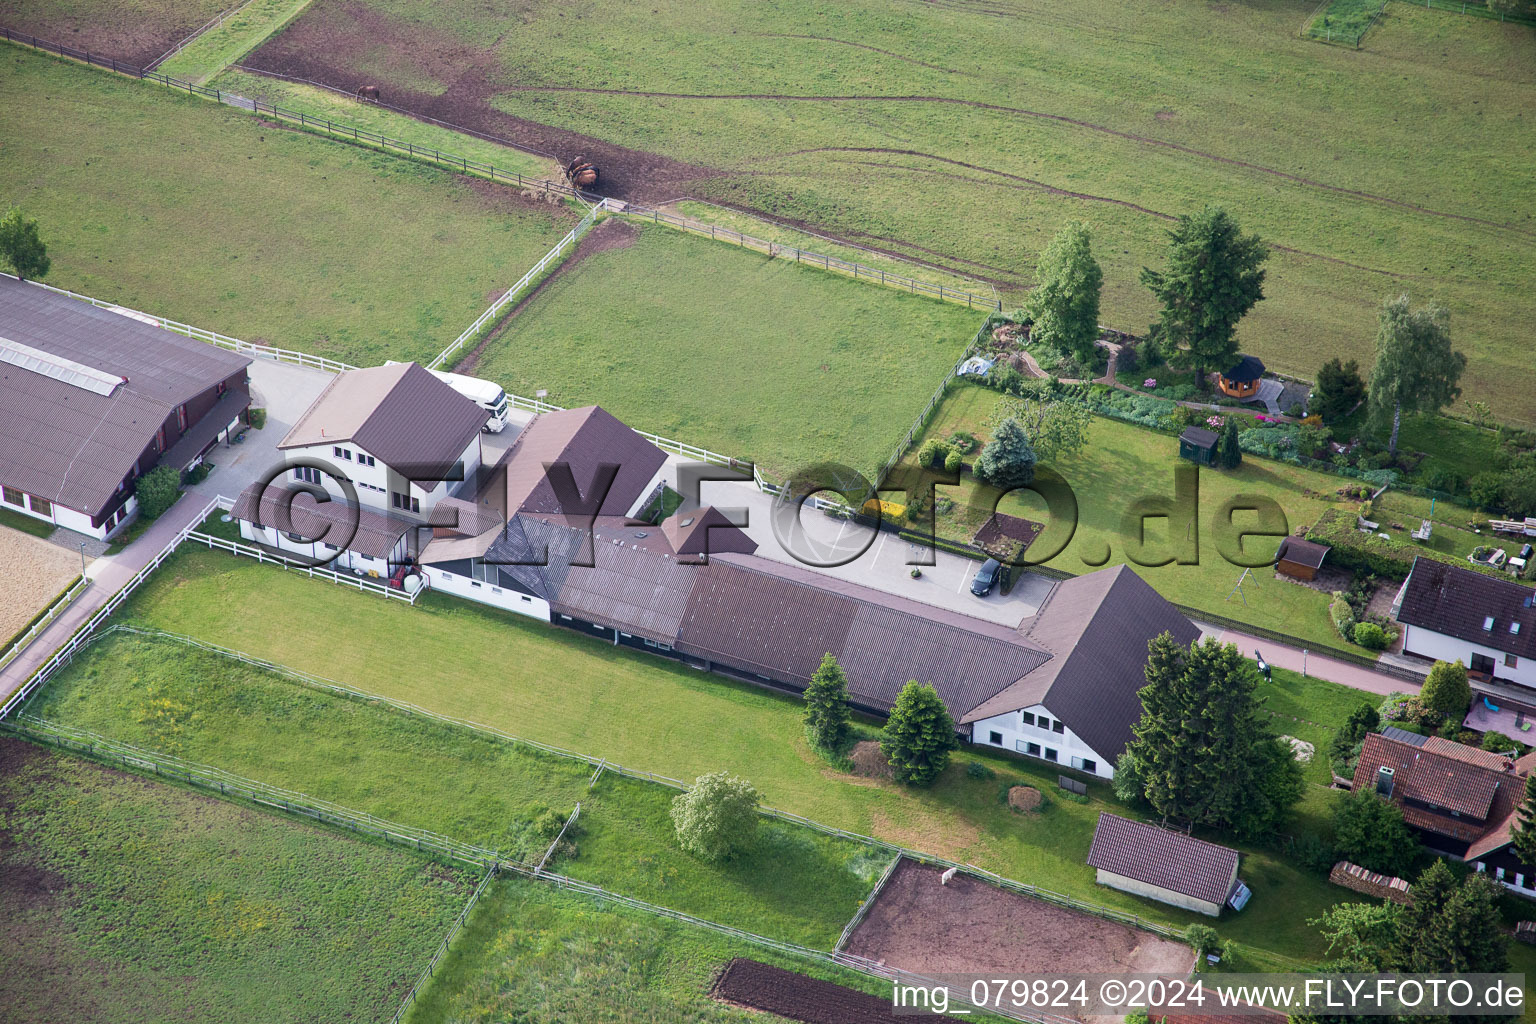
<point>1454,614</point>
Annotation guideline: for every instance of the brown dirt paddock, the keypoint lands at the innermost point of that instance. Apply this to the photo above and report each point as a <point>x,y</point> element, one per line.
<point>760,986</point>
<point>135,33</point>
<point>35,571</point>
<point>971,927</point>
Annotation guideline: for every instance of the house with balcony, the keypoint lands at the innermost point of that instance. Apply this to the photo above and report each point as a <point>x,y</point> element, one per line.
<point>374,461</point>
<point>1462,802</point>
<point>92,399</point>
<point>1486,623</point>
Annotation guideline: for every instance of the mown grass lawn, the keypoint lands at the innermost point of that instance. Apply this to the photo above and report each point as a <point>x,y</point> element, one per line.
<point>854,118</point>
<point>126,901</point>
<point>560,687</point>
<point>201,213</point>
<point>796,885</point>
<point>724,348</point>
<point>1120,464</point>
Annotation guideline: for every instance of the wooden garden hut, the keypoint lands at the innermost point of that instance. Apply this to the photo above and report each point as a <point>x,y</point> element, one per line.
<point>1198,445</point>
<point>1300,559</point>
<point>1242,380</point>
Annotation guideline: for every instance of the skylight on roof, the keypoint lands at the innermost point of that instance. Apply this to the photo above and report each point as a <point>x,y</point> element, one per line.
<point>87,378</point>
<point>1487,622</point>
<point>1514,627</point>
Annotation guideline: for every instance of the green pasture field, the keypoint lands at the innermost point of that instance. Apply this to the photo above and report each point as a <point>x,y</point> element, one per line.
<point>730,350</point>
<point>126,901</point>
<point>796,885</point>
<point>225,43</point>
<point>533,953</point>
<point>1121,463</point>
<point>200,213</point>
<point>967,134</point>
<point>651,714</point>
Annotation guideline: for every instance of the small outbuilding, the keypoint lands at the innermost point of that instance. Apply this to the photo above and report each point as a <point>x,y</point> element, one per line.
<point>1299,558</point>
<point>1198,445</point>
<point>1143,859</point>
<point>1242,380</point>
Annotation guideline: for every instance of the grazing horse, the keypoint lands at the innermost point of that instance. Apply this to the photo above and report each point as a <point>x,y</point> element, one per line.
<point>368,93</point>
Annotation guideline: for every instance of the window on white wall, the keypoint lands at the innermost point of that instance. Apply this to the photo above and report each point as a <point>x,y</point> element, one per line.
<point>995,738</point>
<point>1027,717</point>
<point>1085,764</point>
<point>1050,754</point>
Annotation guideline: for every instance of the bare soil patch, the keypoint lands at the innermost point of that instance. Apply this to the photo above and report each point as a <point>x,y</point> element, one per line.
<point>760,986</point>
<point>1025,798</point>
<point>870,761</point>
<point>430,74</point>
<point>971,927</point>
<point>1002,532</point>
<point>610,234</point>
<point>35,571</point>
<point>133,33</point>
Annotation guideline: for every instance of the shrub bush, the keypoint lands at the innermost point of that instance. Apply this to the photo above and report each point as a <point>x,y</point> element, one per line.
<point>977,770</point>
<point>1371,636</point>
<point>954,460</point>
<point>1343,616</point>
<point>1310,852</point>
<point>156,491</point>
<point>717,817</point>
<point>258,418</point>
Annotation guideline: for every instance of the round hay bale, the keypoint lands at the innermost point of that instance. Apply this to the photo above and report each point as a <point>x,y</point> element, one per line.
<point>1024,798</point>
<point>869,760</point>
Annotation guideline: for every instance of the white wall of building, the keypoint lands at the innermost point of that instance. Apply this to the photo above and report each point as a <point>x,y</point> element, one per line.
<point>345,561</point>
<point>79,522</point>
<point>375,482</point>
<point>477,590</point>
<point>1429,644</point>
<point>1014,731</point>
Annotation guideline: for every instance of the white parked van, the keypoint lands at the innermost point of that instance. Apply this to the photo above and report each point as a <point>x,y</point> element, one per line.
<point>488,395</point>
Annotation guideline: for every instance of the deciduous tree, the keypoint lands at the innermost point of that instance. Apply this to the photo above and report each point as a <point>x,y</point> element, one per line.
<point>826,705</point>
<point>717,817</point>
<point>1416,369</point>
<point>1525,825</point>
<point>1446,690</point>
<point>919,735</point>
<point>1215,276</point>
<point>1205,753</point>
<point>1056,430</point>
<point>1065,302</point>
<point>21,248</point>
<point>156,491</point>
<point>1371,832</point>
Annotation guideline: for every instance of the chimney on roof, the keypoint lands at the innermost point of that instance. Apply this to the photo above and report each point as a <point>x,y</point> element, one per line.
<point>1384,781</point>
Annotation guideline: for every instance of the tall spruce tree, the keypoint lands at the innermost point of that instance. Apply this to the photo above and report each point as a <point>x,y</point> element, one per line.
<point>1008,460</point>
<point>1215,276</point>
<point>1205,753</point>
<point>1525,825</point>
<point>1229,451</point>
<point>919,735</point>
<point>826,705</point>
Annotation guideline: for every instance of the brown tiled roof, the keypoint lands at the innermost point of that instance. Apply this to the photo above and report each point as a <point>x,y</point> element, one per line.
<point>1471,755</point>
<point>1481,795</point>
<point>1168,860</point>
<point>329,522</point>
<point>706,530</point>
<point>1302,552</point>
<point>1456,602</point>
<point>72,445</point>
<point>1496,838</point>
<point>1097,627</point>
<point>583,439</point>
<point>401,414</point>
<point>779,619</point>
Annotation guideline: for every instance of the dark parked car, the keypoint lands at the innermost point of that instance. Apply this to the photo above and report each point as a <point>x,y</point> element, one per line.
<point>986,577</point>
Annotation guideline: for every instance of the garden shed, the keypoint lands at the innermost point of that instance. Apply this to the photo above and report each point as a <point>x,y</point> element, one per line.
<point>1300,559</point>
<point>1198,445</point>
<point>1170,867</point>
<point>1242,380</point>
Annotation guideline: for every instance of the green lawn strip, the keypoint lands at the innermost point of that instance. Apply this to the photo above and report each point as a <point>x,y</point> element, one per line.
<point>797,886</point>
<point>227,42</point>
<point>1344,21</point>
<point>324,103</point>
<point>772,231</point>
<point>678,335</point>
<point>535,953</point>
<point>152,903</point>
<point>651,714</point>
<point>1122,463</point>
<point>331,249</point>
<point>25,523</point>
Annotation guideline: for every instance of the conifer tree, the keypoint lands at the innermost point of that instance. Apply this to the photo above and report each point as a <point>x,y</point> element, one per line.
<point>826,705</point>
